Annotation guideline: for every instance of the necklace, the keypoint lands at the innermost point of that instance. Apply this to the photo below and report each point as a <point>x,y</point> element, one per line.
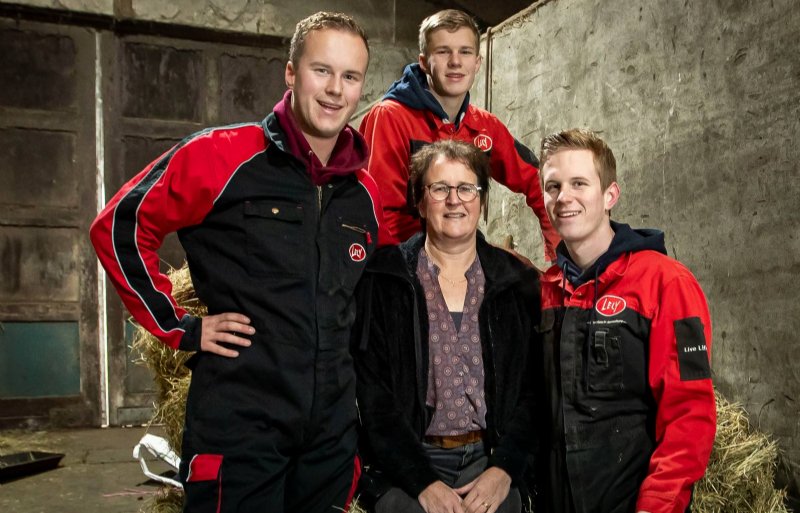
<point>452,282</point>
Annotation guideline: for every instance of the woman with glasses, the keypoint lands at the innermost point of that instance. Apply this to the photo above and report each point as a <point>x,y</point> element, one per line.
<point>443,351</point>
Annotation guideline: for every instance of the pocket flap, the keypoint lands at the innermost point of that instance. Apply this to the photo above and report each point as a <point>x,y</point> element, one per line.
<point>204,467</point>
<point>280,210</point>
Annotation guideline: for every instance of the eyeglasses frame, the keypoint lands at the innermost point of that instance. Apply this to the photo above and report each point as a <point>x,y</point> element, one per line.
<point>478,190</point>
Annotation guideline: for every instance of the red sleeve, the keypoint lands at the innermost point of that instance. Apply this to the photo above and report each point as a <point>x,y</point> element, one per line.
<point>388,165</point>
<point>516,167</point>
<point>680,377</point>
<point>176,190</point>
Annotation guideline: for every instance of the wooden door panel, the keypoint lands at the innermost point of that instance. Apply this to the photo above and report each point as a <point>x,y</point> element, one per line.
<point>48,281</point>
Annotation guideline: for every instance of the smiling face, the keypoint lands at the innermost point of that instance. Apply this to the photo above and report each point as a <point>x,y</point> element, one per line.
<point>326,83</point>
<point>451,63</point>
<point>451,219</point>
<point>576,203</point>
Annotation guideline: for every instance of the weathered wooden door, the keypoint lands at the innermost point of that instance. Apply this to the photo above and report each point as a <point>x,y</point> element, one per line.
<point>81,111</point>
<point>50,355</point>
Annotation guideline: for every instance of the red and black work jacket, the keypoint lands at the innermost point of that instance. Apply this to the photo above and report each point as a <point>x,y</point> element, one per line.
<point>408,118</point>
<point>626,351</point>
<point>260,238</point>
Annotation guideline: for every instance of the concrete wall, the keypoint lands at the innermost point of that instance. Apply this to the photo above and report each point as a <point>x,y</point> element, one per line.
<point>392,28</point>
<point>700,101</point>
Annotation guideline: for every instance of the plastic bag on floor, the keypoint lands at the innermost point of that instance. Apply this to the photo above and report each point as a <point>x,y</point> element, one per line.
<point>159,448</point>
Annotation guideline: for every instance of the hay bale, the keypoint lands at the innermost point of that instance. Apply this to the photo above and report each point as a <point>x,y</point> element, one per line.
<point>741,469</point>
<point>739,478</point>
<point>166,500</point>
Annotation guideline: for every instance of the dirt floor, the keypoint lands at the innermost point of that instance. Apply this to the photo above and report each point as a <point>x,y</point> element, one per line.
<point>97,473</point>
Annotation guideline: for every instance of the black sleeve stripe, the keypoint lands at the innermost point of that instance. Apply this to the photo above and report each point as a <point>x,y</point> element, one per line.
<point>692,349</point>
<point>526,154</point>
<point>126,248</point>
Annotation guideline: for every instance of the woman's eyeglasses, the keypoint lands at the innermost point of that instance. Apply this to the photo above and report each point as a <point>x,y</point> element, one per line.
<point>466,192</point>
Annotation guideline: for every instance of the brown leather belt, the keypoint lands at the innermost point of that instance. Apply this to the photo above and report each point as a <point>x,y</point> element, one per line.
<point>451,442</point>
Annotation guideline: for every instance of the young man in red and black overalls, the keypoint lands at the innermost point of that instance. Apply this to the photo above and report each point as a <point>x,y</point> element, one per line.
<point>430,102</point>
<point>277,219</point>
<point>627,340</point>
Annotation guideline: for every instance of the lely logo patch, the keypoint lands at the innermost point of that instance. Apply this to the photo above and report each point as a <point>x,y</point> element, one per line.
<point>483,142</point>
<point>357,252</point>
<point>610,305</point>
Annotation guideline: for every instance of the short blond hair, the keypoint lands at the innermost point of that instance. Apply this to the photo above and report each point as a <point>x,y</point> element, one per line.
<point>582,139</point>
<point>320,21</point>
<point>450,20</point>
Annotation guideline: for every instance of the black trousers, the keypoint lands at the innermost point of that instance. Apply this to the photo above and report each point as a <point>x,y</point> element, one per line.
<point>272,431</point>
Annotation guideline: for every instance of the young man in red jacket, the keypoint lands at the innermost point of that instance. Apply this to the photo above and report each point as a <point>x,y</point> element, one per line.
<point>277,219</point>
<point>627,340</point>
<point>431,102</point>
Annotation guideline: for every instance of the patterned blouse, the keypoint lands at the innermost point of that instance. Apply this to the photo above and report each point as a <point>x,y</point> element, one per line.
<point>455,373</point>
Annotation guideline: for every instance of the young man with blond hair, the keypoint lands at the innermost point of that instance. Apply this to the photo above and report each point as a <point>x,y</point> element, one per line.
<point>431,102</point>
<point>627,340</point>
<point>277,219</point>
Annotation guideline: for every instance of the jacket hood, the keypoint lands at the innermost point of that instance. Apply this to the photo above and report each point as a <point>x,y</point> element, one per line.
<point>626,240</point>
<point>411,89</point>
<point>501,268</point>
<point>350,153</point>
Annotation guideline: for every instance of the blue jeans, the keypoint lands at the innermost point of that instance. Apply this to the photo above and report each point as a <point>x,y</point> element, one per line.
<point>456,467</point>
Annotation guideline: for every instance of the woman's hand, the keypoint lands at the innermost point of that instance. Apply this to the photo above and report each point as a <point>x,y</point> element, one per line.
<point>486,492</point>
<point>440,498</point>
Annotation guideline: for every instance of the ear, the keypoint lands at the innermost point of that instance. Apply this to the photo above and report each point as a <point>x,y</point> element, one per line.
<point>421,208</point>
<point>478,62</point>
<point>423,63</point>
<point>289,75</point>
<point>611,196</point>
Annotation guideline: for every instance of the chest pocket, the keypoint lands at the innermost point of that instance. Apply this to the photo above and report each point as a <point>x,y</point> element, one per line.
<point>274,238</point>
<point>351,242</point>
<point>604,361</point>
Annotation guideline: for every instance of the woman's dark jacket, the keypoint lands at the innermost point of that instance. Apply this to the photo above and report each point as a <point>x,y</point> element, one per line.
<point>390,348</point>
